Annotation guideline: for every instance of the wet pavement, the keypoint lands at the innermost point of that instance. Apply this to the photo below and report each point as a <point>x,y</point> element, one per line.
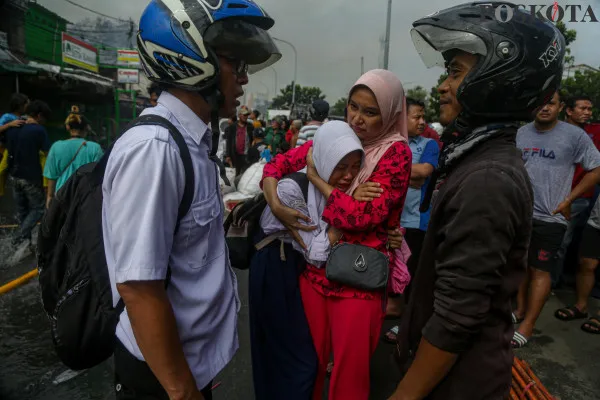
<point>564,357</point>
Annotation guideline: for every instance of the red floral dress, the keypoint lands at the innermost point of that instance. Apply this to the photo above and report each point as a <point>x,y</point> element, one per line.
<point>364,223</point>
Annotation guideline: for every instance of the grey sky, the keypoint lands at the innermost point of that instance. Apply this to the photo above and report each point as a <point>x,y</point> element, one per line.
<point>332,35</point>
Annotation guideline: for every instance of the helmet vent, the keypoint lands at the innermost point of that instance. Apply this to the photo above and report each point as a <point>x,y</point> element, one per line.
<point>478,16</point>
<point>236,5</point>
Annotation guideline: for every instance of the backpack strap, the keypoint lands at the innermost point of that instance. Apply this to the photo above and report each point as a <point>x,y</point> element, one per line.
<point>74,158</point>
<point>186,158</point>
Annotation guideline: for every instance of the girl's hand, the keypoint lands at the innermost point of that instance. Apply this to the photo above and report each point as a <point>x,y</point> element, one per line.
<point>395,239</point>
<point>368,191</point>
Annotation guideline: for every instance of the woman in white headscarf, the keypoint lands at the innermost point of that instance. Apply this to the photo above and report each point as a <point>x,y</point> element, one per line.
<point>284,361</point>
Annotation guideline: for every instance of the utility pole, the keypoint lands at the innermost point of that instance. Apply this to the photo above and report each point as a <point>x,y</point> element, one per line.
<point>362,66</point>
<point>386,55</point>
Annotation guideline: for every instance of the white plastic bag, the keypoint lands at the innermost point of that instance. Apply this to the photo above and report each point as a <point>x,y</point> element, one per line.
<point>250,182</point>
<point>231,176</point>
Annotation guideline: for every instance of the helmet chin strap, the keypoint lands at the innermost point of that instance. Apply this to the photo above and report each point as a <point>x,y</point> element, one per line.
<point>215,100</point>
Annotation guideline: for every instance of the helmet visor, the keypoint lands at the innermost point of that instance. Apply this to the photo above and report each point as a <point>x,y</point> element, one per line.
<point>245,41</point>
<point>432,41</point>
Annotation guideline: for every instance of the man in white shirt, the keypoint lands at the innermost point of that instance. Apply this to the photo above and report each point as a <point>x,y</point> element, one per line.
<point>179,327</point>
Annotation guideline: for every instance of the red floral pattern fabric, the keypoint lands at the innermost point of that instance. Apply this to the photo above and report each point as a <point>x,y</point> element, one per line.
<point>364,223</point>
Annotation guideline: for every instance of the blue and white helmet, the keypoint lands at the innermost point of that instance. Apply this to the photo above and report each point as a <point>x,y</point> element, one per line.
<point>178,40</point>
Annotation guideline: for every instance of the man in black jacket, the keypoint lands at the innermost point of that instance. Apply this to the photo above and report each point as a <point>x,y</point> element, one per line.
<point>454,340</point>
<point>238,140</point>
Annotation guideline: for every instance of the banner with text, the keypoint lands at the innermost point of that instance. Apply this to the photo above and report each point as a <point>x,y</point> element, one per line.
<point>128,76</point>
<point>128,59</point>
<point>79,53</point>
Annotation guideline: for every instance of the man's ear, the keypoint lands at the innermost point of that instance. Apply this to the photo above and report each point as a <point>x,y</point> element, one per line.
<point>562,106</point>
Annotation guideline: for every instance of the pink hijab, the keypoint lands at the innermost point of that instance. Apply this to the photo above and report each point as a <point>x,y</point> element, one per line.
<point>389,93</point>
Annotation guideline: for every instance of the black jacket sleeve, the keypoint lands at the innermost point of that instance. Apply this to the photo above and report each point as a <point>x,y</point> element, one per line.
<point>250,130</point>
<point>482,218</point>
<point>229,141</point>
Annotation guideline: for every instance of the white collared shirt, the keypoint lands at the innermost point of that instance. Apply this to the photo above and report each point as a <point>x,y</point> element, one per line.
<point>143,187</point>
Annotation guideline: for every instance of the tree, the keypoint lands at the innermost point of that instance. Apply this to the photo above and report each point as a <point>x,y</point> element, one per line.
<point>304,96</point>
<point>570,36</point>
<point>339,107</point>
<point>432,111</point>
<point>587,83</point>
<point>417,93</point>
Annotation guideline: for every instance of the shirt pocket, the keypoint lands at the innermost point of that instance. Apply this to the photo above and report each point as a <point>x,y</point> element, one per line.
<point>205,241</point>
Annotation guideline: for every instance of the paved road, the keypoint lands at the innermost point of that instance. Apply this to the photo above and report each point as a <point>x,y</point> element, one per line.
<point>564,357</point>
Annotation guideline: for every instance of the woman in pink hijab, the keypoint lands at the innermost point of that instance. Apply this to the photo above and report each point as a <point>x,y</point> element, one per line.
<point>344,320</point>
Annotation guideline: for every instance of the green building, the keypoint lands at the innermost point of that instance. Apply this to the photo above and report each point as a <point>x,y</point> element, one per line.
<point>43,34</point>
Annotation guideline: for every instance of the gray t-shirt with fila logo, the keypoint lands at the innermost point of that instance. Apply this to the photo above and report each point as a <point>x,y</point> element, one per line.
<point>550,158</point>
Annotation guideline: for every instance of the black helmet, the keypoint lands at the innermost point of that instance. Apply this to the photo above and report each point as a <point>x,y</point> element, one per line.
<point>319,111</point>
<point>520,64</point>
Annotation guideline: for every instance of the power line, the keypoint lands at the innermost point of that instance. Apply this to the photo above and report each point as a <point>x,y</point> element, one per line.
<point>93,11</point>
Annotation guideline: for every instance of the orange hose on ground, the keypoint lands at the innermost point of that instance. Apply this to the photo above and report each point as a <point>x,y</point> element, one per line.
<point>539,384</point>
<point>533,379</point>
<point>18,282</point>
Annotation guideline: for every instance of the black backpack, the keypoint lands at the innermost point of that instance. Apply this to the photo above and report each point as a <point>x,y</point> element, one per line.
<point>243,224</point>
<point>73,274</point>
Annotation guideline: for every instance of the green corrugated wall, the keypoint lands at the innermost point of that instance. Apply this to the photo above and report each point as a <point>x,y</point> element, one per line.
<point>43,35</point>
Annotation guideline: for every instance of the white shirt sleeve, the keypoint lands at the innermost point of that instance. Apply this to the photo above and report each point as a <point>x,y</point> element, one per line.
<point>145,187</point>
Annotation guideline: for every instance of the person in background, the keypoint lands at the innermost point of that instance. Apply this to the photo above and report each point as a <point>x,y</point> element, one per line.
<point>551,150</point>
<point>256,151</point>
<point>285,123</point>
<point>154,91</point>
<point>12,119</point>
<point>425,154</point>
<point>254,116</point>
<point>17,107</point>
<point>454,339</point>
<point>67,156</point>
<point>275,135</point>
<point>589,252</point>
<point>24,145</point>
<point>292,135</point>
<point>430,133</point>
<point>238,138</point>
<point>578,113</point>
<point>319,111</point>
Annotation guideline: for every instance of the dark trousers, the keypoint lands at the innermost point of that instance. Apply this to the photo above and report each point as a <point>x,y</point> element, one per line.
<point>284,360</point>
<point>414,239</point>
<point>30,201</point>
<point>240,164</point>
<point>134,379</point>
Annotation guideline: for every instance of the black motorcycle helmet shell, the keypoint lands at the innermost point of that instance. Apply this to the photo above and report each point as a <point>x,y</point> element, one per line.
<point>520,62</point>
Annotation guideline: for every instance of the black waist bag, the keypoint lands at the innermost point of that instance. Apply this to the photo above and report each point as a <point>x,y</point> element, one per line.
<point>73,274</point>
<point>359,267</point>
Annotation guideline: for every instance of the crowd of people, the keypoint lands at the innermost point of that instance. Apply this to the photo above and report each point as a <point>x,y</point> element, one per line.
<point>369,218</point>
<point>35,168</point>
<point>248,139</point>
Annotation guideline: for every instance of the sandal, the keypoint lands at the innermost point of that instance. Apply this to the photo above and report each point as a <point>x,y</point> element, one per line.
<point>570,314</point>
<point>516,320</point>
<point>391,336</point>
<point>592,325</point>
<point>519,340</point>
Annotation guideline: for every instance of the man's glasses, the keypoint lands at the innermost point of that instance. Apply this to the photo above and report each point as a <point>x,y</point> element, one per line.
<point>240,66</point>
